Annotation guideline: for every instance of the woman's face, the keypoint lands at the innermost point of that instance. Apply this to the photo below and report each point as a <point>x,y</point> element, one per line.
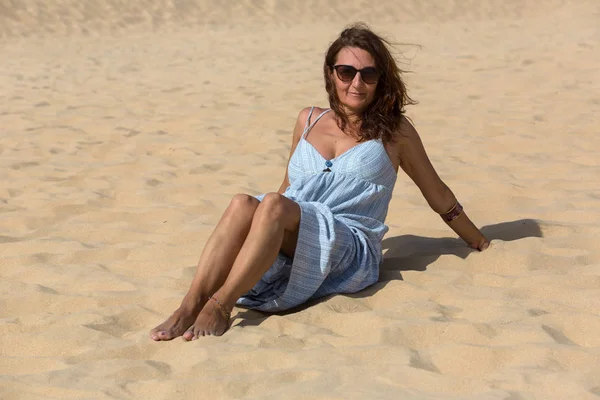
<point>355,93</point>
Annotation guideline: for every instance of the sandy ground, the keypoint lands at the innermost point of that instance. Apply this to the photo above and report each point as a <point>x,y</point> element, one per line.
<point>125,130</point>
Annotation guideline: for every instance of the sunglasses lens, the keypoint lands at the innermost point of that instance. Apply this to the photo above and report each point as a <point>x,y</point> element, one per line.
<point>346,73</point>
<point>369,75</point>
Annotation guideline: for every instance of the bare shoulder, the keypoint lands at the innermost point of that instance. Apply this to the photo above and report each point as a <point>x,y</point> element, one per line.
<point>407,147</point>
<point>300,124</point>
<point>302,119</point>
<point>303,114</point>
<point>407,129</point>
<point>319,110</point>
<point>408,137</point>
<point>406,132</point>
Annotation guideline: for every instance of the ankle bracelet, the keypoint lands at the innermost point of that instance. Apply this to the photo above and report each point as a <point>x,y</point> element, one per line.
<point>221,307</point>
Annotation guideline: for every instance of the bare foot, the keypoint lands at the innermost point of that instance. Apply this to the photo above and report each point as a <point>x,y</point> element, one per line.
<point>176,324</point>
<point>212,320</point>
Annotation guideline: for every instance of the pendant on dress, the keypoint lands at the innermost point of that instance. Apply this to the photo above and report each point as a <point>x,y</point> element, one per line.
<point>328,164</point>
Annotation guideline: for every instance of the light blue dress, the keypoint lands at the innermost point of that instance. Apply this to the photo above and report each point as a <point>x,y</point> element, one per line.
<point>343,203</point>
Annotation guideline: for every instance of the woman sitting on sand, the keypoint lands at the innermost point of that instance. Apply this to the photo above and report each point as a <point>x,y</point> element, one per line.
<point>321,233</point>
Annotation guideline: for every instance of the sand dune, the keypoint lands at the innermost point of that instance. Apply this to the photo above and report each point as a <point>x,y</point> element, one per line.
<point>125,128</point>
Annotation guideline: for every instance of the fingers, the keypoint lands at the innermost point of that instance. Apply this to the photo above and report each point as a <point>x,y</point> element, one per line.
<point>481,246</point>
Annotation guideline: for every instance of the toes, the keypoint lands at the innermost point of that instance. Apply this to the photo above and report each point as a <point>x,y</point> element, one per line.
<point>188,335</point>
<point>218,331</point>
<point>162,335</point>
<point>155,334</point>
<point>198,333</point>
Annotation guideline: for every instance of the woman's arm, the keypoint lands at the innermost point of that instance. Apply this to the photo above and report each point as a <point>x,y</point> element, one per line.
<point>298,130</point>
<point>416,164</point>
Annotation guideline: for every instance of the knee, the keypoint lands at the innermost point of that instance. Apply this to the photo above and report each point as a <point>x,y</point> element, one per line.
<point>279,210</point>
<point>273,206</point>
<point>243,203</point>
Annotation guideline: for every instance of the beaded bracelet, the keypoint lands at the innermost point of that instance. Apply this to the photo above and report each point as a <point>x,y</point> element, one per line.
<point>453,213</point>
<point>221,307</point>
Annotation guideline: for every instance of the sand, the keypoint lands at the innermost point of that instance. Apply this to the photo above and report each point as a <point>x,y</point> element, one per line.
<point>125,128</point>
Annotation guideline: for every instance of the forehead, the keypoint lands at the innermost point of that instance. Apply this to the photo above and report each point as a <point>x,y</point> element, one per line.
<point>356,57</point>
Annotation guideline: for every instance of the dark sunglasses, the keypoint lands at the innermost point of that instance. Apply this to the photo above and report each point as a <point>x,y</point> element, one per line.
<point>346,73</point>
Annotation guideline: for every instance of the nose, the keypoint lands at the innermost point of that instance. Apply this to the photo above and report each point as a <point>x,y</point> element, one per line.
<point>357,81</point>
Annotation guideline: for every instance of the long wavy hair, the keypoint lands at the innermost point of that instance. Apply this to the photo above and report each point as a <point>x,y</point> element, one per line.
<point>383,116</point>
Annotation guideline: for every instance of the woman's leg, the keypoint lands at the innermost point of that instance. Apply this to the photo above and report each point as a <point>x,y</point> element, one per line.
<point>274,228</point>
<point>213,268</point>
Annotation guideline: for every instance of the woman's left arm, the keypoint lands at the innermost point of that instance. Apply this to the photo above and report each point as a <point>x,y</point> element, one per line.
<point>416,164</point>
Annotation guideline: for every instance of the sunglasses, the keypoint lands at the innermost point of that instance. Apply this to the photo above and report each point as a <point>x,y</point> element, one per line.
<point>346,73</point>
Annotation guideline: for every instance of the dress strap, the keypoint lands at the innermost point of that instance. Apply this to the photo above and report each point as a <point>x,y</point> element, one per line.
<point>309,125</point>
<point>308,120</point>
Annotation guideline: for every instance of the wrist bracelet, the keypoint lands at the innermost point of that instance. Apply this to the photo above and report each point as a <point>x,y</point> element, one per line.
<point>453,213</point>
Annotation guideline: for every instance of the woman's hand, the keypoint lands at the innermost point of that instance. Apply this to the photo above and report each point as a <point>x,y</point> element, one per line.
<point>481,245</point>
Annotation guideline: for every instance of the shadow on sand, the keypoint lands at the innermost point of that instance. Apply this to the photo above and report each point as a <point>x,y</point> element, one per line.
<point>414,253</point>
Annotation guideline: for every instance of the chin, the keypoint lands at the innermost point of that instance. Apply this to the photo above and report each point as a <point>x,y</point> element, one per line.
<point>356,106</point>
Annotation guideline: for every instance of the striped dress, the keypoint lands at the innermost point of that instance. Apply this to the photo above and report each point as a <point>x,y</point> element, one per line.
<point>343,203</point>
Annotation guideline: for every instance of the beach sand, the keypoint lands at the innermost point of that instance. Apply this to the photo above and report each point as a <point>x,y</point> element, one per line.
<point>125,129</point>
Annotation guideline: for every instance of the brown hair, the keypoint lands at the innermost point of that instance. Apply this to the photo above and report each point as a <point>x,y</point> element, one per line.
<point>382,118</point>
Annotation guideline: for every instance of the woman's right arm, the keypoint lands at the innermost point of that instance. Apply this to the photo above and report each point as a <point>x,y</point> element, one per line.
<point>298,130</point>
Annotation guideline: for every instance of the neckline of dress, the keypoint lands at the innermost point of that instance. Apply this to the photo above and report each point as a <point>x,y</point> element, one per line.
<point>308,129</point>
<point>388,160</point>
<point>340,155</point>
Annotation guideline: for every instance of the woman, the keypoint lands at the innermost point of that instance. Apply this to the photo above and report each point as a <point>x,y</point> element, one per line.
<point>321,232</point>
